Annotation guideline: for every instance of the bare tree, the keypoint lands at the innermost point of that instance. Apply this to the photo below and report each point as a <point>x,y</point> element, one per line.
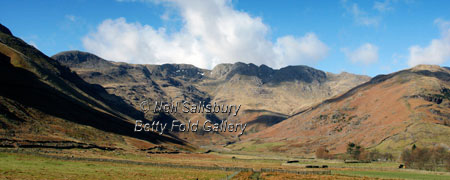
<point>322,153</point>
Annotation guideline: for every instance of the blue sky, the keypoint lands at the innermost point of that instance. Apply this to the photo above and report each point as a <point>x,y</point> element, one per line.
<point>362,37</point>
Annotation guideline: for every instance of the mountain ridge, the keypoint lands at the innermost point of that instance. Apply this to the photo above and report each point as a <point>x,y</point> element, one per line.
<point>387,113</point>
<point>294,109</point>
<point>267,95</point>
<point>45,104</point>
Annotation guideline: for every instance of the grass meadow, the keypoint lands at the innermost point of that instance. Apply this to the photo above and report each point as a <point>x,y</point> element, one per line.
<point>34,166</point>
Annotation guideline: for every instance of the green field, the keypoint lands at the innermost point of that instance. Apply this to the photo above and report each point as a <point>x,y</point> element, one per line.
<point>22,166</point>
<point>32,166</point>
<point>392,174</point>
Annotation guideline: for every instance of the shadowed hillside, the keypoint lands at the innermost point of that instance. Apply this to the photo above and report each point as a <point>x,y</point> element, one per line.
<point>46,104</point>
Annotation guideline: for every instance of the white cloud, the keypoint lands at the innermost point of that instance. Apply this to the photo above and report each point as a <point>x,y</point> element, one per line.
<point>32,43</point>
<point>443,24</point>
<point>437,52</point>
<point>309,48</point>
<point>383,6</point>
<point>365,54</point>
<point>360,16</point>
<point>71,17</point>
<point>212,33</point>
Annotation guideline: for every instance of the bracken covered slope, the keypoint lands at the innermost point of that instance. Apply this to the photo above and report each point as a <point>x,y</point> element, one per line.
<point>388,113</point>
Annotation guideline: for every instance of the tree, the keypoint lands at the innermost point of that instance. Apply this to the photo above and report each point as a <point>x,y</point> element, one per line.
<point>407,158</point>
<point>422,157</point>
<point>439,155</point>
<point>426,158</point>
<point>355,151</point>
<point>322,153</point>
<point>388,156</point>
<point>363,155</point>
<point>350,147</point>
<point>447,161</point>
<point>374,155</point>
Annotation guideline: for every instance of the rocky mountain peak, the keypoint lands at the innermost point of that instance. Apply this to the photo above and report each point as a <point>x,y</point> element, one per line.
<point>183,70</point>
<point>79,59</point>
<point>432,68</point>
<point>221,70</point>
<point>267,74</point>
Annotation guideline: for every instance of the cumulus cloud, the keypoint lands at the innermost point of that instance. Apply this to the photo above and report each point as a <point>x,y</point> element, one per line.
<point>290,49</point>
<point>365,54</point>
<point>437,52</point>
<point>212,32</point>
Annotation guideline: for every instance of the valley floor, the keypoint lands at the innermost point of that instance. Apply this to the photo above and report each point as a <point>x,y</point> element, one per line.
<point>96,164</point>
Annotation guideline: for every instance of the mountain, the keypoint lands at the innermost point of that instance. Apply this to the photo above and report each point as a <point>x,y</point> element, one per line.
<point>77,99</point>
<point>388,113</point>
<point>267,96</point>
<point>282,90</point>
<point>45,104</point>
